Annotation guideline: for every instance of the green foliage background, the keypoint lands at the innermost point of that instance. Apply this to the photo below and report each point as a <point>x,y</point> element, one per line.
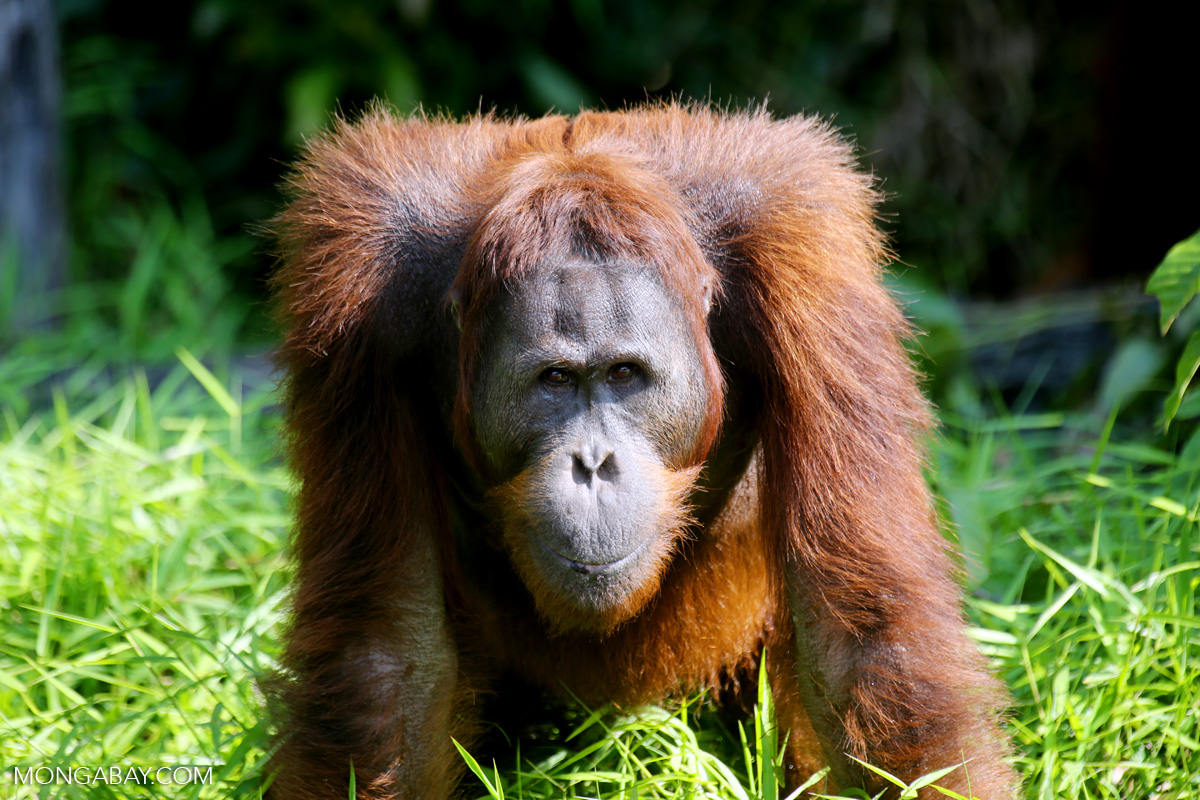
<point>981,118</point>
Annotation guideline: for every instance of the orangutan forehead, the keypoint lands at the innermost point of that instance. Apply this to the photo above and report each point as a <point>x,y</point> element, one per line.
<point>601,304</point>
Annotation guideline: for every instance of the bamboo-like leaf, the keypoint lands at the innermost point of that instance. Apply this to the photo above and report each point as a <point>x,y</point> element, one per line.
<point>1177,279</point>
<point>1184,372</point>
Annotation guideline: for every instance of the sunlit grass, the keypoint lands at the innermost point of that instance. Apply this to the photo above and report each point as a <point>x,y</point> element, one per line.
<point>141,537</point>
<point>1092,617</point>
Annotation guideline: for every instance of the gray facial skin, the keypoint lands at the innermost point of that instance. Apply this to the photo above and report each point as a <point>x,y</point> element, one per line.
<point>590,393</point>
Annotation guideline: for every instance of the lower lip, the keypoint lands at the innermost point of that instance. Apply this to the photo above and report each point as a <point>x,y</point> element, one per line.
<point>585,568</point>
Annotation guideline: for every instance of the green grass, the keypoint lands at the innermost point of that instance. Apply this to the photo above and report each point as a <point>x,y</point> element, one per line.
<point>141,541</point>
<point>1093,618</point>
<point>143,575</point>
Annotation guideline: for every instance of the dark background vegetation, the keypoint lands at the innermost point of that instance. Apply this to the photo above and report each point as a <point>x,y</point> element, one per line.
<point>1016,140</point>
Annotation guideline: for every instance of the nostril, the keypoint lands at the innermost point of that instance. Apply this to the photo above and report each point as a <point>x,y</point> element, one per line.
<point>607,469</point>
<point>579,471</point>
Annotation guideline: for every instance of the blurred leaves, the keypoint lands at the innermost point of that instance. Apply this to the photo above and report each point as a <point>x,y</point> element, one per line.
<point>1130,370</point>
<point>1175,282</point>
<point>982,121</point>
<point>553,86</point>
<point>212,97</point>
<point>310,95</point>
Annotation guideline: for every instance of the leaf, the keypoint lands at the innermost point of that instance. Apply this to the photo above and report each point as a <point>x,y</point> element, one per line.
<point>925,780</point>
<point>1177,279</point>
<point>209,382</point>
<point>889,777</point>
<point>495,789</point>
<point>1184,372</point>
<point>1130,370</point>
<point>1190,407</point>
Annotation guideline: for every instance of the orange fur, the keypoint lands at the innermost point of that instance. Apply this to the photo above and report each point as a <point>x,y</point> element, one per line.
<point>823,549</point>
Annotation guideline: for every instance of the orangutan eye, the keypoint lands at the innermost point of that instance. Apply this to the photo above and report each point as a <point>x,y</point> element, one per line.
<point>557,377</point>
<point>622,373</point>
